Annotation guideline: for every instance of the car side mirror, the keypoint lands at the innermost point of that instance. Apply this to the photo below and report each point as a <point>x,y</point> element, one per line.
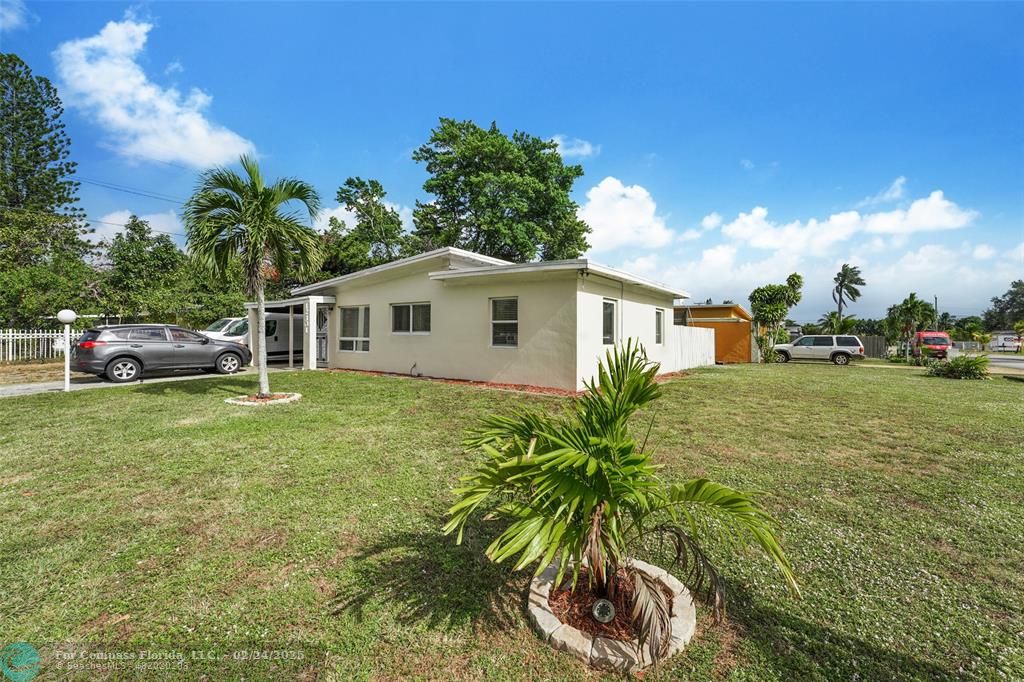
<point>206,340</point>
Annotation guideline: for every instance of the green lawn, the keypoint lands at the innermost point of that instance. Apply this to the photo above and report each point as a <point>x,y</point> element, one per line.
<point>160,518</point>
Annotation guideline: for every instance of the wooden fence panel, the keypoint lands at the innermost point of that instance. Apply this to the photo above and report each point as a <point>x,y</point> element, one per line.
<point>875,346</point>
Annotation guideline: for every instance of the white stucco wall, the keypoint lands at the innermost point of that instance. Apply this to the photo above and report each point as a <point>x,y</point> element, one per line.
<point>459,343</point>
<point>635,310</point>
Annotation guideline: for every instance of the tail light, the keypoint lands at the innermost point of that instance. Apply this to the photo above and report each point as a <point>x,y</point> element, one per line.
<point>89,345</point>
<point>861,350</point>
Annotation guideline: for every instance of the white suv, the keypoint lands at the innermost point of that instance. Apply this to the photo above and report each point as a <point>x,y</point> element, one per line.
<point>838,349</point>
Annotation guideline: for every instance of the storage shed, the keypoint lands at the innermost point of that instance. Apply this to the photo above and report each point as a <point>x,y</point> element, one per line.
<point>734,340</point>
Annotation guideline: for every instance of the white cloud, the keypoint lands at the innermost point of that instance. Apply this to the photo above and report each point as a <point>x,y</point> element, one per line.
<point>339,212</point>
<point>747,164</point>
<point>936,212</point>
<point>173,68</point>
<point>101,76</point>
<point>754,229</point>
<point>642,265</point>
<point>13,15</point>
<point>404,212</point>
<point>893,192</point>
<point>984,252</point>
<point>690,235</point>
<point>711,221</point>
<point>621,215</point>
<point>574,147</point>
<point>112,223</point>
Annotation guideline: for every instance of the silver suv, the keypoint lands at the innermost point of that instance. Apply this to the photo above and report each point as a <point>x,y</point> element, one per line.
<point>838,349</point>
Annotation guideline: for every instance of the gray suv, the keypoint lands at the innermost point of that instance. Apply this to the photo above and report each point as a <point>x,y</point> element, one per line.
<point>839,349</point>
<point>123,352</point>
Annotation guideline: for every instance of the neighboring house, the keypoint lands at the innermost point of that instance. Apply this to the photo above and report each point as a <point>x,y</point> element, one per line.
<point>734,340</point>
<point>454,314</point>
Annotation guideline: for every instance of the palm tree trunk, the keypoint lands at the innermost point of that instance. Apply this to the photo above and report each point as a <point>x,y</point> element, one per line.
<point>261,336</point>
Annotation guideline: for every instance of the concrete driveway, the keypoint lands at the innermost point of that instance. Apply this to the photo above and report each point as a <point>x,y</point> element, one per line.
<point>81,382</point>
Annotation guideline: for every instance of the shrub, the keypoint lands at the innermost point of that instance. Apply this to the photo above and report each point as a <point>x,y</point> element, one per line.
<point>580,487</point>
<point>961,367</point>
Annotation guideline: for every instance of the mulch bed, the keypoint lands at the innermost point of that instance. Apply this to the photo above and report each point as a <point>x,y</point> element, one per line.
<point>574,608</point>
<point>257,399</point>
<point>519,388</point>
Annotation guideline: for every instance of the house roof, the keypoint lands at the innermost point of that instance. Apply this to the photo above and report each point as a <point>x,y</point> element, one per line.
<point>711,307</point>
<point>479,265</point>
<point>448,251</point>
<point>579,264</point>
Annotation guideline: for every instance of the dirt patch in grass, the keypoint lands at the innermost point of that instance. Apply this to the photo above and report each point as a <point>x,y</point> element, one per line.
<point>111,626</point>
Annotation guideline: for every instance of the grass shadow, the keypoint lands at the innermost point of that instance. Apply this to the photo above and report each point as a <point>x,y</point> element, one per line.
<point>799,648</point>
<point>433,581</point>
<point>200,384</point>
<point>1018,379</point>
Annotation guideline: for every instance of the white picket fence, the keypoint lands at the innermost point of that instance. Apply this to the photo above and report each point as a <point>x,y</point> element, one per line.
<point>33,344</point>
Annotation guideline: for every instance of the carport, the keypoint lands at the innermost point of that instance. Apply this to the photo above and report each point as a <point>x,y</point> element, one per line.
<point>316,314</point>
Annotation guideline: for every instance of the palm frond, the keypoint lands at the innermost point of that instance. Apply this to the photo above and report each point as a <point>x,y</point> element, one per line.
<point>652,614</point>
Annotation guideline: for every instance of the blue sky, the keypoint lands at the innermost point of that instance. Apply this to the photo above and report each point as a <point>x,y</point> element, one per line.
<point>724,145</point>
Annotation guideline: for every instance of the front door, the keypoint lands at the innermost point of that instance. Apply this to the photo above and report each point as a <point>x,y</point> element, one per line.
<point>190,349</point>
<point>321,334</point>
<point>802,348</point>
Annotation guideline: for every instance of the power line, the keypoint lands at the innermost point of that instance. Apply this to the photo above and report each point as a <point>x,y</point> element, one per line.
<point>130,190</point>
<point>86,218</point>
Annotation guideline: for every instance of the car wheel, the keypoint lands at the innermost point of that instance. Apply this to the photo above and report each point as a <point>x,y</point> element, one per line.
<point>783,357</point>
<point>841,359</point>
<point>123,370</point>
<point>228,363</point>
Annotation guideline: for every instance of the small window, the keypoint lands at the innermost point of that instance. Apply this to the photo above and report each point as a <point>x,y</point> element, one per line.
<point>355,329</point>
<point>659,317</point>
<point>147,334</point>
<point>821,341</point>
<point>505,322</point>
<point>410,318</point>
<point>185,335</point>
<point>608,323</point>
<point>270,327</point>
<point>848,341</point>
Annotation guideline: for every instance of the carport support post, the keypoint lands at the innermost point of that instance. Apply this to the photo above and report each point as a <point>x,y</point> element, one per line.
<point>309,334</point>
<point>253,336</point>
<point>291,342</point>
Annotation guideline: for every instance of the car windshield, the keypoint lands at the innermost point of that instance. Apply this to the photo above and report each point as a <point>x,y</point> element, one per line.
<point>219,324</point>
<point>935,341</point>
<point>238,328</point>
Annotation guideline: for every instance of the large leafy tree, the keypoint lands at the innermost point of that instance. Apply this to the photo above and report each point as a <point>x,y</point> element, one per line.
<point>846,282</point>
<point>769,306</point>
<point>581,487</point>
<point>506,197</point>
<point>906,318</point>
<point>376,237</point>
<point>1007,309</point>
<point>143,274</point>
<point>233,217</point>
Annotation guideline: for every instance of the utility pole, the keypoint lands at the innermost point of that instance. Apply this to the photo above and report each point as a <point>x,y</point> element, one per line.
<point>937,314</point>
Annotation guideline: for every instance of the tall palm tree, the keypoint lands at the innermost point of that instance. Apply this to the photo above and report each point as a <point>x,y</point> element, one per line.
<point>846,282</point>
<point>911,315</point>
<point>234,217</point>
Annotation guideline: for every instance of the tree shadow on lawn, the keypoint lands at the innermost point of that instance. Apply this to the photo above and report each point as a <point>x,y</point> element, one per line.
<point>803,649</point>
<point>200,384</point>
<point>433,581</point>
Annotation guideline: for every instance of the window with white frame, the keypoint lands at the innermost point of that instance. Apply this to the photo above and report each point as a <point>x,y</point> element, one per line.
<point>608,322</point>
<point>505,322</point>
<point>355,329</point>
<point>410,318</point>
<point>659,324</point>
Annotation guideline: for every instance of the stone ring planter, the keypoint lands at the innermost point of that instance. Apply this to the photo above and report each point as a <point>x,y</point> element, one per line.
<point>602,652</point>
<point>245,400</point>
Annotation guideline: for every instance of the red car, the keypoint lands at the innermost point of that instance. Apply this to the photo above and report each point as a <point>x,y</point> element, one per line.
<point>935,344</point>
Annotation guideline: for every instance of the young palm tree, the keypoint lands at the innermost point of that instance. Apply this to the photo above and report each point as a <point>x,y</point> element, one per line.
<point>912,314</point>
<point>846,282</point>
<point>833,323</point>
<point>230,216</point>
<point>581,488</point>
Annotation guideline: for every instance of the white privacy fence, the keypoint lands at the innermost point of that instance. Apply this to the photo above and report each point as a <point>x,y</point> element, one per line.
<point>33,344</point>
<point>695,346</point>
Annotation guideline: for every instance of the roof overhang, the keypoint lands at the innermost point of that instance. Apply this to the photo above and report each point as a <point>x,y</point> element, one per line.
<point>296,301</point>
<point>580,265</point>
<point>446,252</point>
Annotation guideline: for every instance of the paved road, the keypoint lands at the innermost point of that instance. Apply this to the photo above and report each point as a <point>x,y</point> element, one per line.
<point>81,382</point>
<point>1006,361</point>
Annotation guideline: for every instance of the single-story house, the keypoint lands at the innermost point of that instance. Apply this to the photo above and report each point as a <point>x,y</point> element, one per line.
<point>455,314</point>
<point>734,339</point>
